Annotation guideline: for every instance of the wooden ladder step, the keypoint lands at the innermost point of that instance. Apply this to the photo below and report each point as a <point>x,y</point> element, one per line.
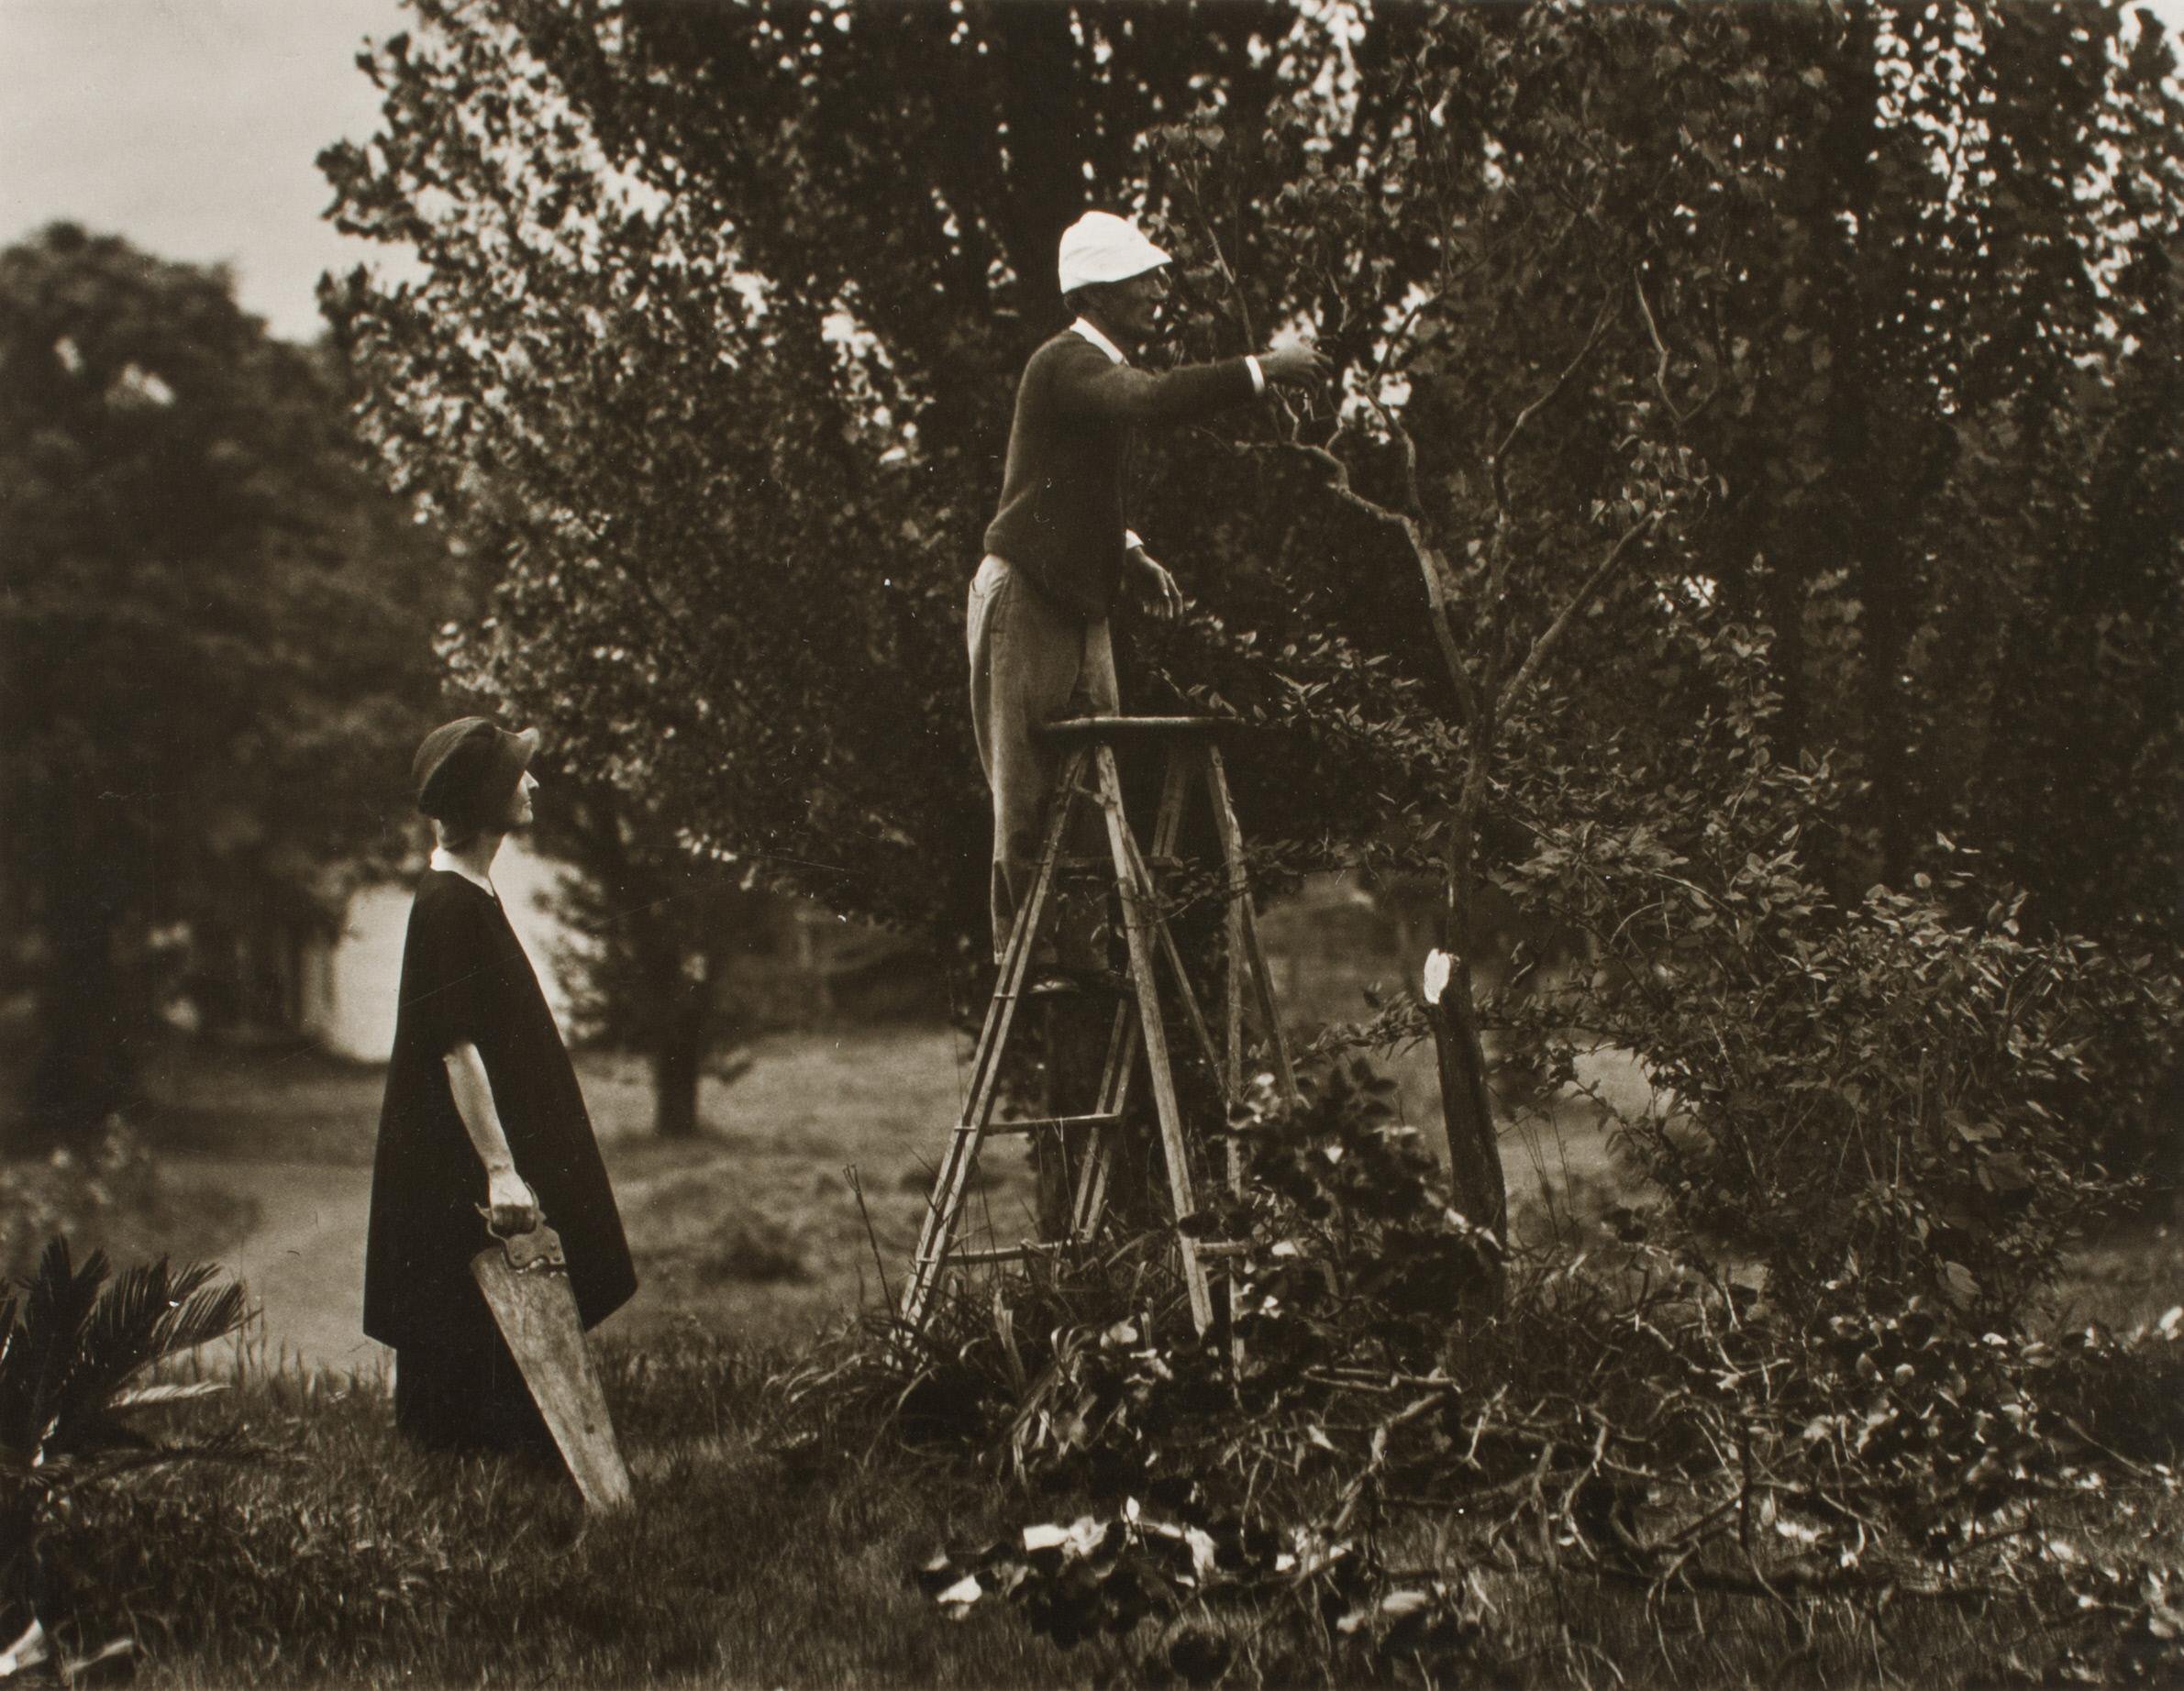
<point>1036,1124</point>
<point>1028,1249</point>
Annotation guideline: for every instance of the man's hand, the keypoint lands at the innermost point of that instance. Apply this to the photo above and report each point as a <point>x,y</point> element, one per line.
<point>511,1206</point>
<point>1156,588</point>
<point>1295,362</point>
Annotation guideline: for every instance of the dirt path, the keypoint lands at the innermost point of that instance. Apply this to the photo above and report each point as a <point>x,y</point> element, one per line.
<point>304,1264</point>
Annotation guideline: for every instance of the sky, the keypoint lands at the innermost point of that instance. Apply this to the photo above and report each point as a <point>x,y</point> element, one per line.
<point>190,127</point>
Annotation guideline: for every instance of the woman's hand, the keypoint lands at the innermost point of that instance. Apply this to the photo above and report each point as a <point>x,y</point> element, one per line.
<point>511,1206</point>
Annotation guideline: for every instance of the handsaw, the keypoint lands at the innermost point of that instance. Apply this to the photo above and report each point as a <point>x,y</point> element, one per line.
<point>525,1278</point>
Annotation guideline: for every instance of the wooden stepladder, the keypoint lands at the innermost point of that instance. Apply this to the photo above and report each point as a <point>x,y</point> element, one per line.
<point>1090,775</point>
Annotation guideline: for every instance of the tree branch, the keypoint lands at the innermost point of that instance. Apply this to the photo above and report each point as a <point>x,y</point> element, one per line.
<point>1430,567</point>
<point>1556,387</point>
<point>1578,601</point>
<point>1599,321</point>
<point>1653,330</point>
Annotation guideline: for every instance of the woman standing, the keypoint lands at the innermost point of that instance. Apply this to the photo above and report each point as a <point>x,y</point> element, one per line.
<point>482,1112</point>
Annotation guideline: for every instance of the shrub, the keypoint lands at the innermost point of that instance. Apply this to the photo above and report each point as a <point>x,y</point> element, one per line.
<point>1380,1484</point>
<point>60,1195</point>
<point>1877,1094</point>
<point>73,1352</point>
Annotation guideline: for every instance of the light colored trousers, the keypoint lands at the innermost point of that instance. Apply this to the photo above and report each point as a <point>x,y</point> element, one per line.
<point>1031,661</point>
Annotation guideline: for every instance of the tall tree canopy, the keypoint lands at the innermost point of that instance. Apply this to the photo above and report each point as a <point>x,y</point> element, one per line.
<point>1722,393</point>
<point>215,643</point>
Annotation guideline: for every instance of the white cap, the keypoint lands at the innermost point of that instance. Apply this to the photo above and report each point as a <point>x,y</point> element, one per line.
<point>1102,247</point>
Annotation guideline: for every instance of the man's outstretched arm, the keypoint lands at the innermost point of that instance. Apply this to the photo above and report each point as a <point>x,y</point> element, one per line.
<point>1094,385</point>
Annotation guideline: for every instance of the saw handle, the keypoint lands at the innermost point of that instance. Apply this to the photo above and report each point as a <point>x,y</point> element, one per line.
<point>538,1247</point>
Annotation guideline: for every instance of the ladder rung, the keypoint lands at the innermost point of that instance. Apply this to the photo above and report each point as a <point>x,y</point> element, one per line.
<point>1084,987</point>
<point>1040,1124</point>
<point>1011,1253</point>
<point>1105,866</point>
<point>1224,1247</point>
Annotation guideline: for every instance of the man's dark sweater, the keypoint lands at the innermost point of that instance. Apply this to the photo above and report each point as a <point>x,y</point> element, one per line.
<point>1061,519</point>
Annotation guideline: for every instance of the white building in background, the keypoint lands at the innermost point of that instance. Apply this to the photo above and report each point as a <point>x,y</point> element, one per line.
<point>350,999</point>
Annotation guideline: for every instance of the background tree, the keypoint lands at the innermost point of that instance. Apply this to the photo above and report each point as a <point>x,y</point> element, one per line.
<point>738,461</point>
<point>216,631</point>
<point>660,931</point>
<point>1869,289</point>
<point>1679,466</point>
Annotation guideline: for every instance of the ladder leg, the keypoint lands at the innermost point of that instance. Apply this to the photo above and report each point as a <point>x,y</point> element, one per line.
<point>1135,893</point>
<point>1091,1206</point>
<point>1122,1052</point>
<point>1235,898</point>
<point>1246,920</point>
<point>937,1234</point>
<point>1156,923</point>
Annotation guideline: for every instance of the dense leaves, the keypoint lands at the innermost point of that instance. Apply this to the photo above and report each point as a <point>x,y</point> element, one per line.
<point>75,1344</point>
<point>214,635</point>
<point>1791,369</point>
<point>1360,1493</point>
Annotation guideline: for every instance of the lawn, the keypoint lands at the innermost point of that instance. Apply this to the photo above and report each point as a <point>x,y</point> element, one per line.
<point>755,1229</point>
<point>803,1195</point>
<point>338,1556</point>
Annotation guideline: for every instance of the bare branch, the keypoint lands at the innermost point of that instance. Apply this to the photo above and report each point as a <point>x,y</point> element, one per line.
<point>1413,501</point>
<point>1652,329</point>
<point>1213,235</point>
<point>1599,321</point>
<point>1554,630</point>
<point>1430,566</point>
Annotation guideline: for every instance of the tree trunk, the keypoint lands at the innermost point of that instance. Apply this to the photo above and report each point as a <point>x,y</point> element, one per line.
<point>678,1061</point>
<point>1467,1105</point>
<point>85,1067</point>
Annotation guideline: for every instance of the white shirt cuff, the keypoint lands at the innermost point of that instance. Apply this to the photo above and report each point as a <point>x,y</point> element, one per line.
<point>1131,542</point>
<point>1259,376</point>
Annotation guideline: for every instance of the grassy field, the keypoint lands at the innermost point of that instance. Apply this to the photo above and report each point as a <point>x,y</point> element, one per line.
<point>801,1196</point>
<point>338,1556</point>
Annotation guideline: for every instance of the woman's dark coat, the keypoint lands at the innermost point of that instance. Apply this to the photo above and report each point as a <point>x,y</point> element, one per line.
<point>465,977</point>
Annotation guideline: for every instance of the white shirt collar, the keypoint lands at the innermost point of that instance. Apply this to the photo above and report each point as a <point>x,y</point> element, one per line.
<point>442,858</point>
<point>1091,331</point>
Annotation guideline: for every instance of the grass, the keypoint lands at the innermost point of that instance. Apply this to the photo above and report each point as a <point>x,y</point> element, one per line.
<point>343,1557</point>
<point>753,1228</point>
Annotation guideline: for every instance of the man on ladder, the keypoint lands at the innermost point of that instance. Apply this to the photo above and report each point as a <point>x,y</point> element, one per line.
<point>1059,551</point>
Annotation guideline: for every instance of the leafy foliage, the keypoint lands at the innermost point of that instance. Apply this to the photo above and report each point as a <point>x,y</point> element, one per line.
<point>1784,414</point>
<point>1622,391</point>
<point>216,625</point>
<point>1364,1491</point>
<point>75,1346</point>
<point>1906,1091</point>
<point>70,1189</point>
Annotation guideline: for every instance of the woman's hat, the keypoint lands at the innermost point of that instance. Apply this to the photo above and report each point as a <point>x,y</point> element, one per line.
<point>466,771</point>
